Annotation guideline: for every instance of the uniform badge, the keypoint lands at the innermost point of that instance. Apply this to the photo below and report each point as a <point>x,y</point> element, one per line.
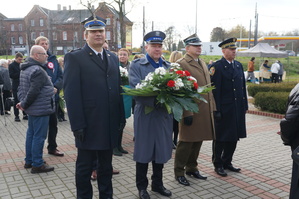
<point>50,65</point>
<point>212,70</point>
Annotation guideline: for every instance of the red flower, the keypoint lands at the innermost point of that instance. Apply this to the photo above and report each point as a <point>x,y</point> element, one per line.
<point>180,73</point>
<point>195,85</point>
<point>170,83</point>
<point>187,73</point>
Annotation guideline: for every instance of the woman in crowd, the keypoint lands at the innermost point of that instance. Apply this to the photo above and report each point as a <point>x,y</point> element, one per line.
<point>174,56</point>
<point>7,88</point>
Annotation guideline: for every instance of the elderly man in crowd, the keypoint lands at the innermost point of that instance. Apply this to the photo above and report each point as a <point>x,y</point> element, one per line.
<point>36,95</point>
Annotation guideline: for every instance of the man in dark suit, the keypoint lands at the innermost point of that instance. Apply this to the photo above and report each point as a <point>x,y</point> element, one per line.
<point>227,76</point>
<point>95,107</point>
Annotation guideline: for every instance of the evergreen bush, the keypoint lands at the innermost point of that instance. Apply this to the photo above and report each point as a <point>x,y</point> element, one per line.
<point>274,102</point>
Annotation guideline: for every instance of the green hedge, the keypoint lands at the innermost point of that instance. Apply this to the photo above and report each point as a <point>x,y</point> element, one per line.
<point>271,101</point>
<point>253,89</point>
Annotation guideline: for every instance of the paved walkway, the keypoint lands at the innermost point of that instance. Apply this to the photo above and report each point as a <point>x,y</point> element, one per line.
<point>265,163</point>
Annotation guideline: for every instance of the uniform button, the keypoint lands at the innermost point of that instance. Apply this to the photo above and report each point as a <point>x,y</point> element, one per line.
<point>107,76</point>
<point>234,89</point>
<point>109,88</point>
<point>235,98</point>
<point>233,80</point>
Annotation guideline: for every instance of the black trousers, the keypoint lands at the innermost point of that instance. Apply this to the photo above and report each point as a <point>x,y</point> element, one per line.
<point>141,178</point>
<point>84,167</point>
<point>52,134</point>
<point>6,94</point>
<point>175,131</point>
<point>223,153</point>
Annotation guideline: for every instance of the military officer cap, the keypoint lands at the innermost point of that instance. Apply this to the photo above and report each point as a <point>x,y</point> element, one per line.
<point>228,43</point>
<point>94,23</point>
<point>192,40</point>
<point>154,37</point>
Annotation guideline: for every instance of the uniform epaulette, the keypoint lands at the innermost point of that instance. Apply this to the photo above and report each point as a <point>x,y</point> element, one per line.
<point>74,50</point>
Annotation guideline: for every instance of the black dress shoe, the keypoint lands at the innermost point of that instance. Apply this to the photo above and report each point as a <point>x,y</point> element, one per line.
<point>197,175</point>
<point>182,180</point>
<point>162,190</point>
<point>143,194</point>
<point>42,169</point>
<point>56,152</point>
<point>220,171</point>
<point>232,168</point>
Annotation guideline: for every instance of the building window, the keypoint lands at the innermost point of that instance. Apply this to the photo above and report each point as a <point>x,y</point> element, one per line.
<point>108,22</point>
<point>32,22</point>
<point>13,41</point>
<point>20,27</point>
<point>41,34</point>
<point>12,27</point>
<point>21,40</point>
<point>108,35</point>
<point>64,35</point>
<point>41,22</point>
<point>54,36</point>
<point>33,36</point>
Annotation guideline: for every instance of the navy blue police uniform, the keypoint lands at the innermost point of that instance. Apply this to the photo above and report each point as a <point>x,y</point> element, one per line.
<point>96,113</point>
<point>231,104</point>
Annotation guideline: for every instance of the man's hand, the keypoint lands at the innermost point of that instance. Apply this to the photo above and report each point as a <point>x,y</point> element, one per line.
<point>55,90</point>
<point>18,106</point>
<point>217,115</point>
<point>79,134</point>
<point>188,120</point>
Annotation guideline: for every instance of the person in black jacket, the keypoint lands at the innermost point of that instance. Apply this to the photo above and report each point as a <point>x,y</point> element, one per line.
<point>291,119</point>
<point>14,74</point>
<point>54,71</point>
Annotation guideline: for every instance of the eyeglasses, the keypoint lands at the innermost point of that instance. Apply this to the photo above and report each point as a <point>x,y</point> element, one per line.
<point>41,53</point>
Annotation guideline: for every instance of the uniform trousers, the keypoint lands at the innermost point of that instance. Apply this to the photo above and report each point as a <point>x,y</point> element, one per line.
<point>141,172</point>
<point>84,167</point>
<point>186,157</point>
<point>223,153</point>
<point>53,129</point>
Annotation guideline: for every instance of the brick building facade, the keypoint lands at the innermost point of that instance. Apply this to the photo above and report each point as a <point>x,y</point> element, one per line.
<point>62,27</point>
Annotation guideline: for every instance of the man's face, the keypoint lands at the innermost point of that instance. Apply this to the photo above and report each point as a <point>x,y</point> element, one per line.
<point>44,44</point>
<point>95,38</point>
<point>42,56</point>
<point>229,53</point>
<point>123,56</point>
<point>19,60</point>
<point>154,51</point>
<point>194,51</point>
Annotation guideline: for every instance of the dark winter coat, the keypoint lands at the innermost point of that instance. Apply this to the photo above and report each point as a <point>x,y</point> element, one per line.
<point>36,91</point>
<point>92,93</point>
<point>231,100</point>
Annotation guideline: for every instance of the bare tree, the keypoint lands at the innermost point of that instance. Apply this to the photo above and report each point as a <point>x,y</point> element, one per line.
<point>88,5</point>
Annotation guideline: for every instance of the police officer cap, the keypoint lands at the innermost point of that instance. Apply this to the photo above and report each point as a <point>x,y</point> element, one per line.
<point>192,40</point>
<point>154,37</point>
<point>228,43</point>
<point>94,23</point>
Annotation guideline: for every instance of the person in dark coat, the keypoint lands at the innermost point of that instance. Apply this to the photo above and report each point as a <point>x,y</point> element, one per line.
<point>95,107</point>
<point>14,74</point>
<point>227,76</point>
<point>152,131</point>
<point>55,73</point>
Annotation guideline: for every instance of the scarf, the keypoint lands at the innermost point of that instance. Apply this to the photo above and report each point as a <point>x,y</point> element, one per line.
<point>153,63</point>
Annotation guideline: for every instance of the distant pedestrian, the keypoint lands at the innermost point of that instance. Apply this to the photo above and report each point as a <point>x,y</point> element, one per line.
<point>250,70</point>
<point>280,72</point>
<point>274,72</point>
<point>6,90</point>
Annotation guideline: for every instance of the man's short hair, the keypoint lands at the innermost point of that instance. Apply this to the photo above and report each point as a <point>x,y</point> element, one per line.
<point>18,54</point>
<point>40,38</point>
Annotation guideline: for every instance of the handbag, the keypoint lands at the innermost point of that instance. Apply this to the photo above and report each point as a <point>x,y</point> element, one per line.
<point>289,125</point>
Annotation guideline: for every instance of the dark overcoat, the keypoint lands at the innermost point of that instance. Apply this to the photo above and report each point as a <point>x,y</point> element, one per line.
<point>202,127</point>
<point>92,93</point>
<point>152,131</point>
<point>231,99</point>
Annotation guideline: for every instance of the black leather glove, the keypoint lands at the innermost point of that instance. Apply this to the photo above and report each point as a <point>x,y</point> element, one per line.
<point>188,120</point>
<point>79,134</point>
<point>217,115</point>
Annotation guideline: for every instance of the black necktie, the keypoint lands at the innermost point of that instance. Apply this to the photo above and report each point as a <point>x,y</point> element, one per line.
<point>100,56</point>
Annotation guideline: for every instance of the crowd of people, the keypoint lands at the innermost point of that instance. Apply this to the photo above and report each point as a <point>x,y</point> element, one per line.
<point>44,86</point>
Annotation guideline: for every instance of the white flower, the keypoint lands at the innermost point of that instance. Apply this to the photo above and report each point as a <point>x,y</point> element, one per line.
<point>140,85</point>
<point>123,72</point>
<point>160,71</point>
<point>149,77</point>
<point>178,84</point>
<point>190,77</point>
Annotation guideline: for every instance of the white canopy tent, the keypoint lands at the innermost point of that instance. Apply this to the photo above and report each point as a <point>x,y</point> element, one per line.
<point>262,50</point>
